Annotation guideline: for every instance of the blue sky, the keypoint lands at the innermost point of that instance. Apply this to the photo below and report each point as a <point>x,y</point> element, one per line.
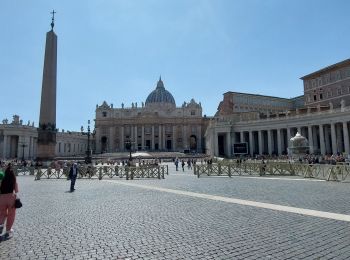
<point>116,50</point>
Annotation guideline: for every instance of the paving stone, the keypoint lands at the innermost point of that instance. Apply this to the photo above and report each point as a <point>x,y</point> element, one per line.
<point>102,220</point>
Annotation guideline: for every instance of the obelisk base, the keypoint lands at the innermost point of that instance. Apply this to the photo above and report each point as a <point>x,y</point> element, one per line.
<point>46,152</point>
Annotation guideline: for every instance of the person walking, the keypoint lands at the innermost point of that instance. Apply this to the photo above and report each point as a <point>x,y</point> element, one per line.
<point>177,164</point>
<point>8,190</point>
<point>73,173</point>
<point>183,165</point>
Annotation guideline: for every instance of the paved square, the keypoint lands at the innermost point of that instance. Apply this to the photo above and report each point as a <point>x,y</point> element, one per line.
<point>157,219</point>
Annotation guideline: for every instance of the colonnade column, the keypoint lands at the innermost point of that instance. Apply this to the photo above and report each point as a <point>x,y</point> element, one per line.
<point>142,137</point>
<point>346,137</point>
<point>279,142</point>
<point>216,145</point>
<point>334,139</point>
<point>122,146</point>
<point>260,142</point>
<point>339,138</point>
<point>152,146</point>
<point>310,137</point>
<point>251,144</point>
<point>322,143</point>
<point>228,142</point>
<point>242,137</point>
<point>269,141</point>
<point>5,146</point>
<point>136,138</point>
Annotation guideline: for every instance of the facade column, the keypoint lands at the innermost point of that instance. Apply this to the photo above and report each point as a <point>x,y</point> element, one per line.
<point>279,142</point>
<point>159,137</point>
<point>122,145</point>
<point>322,141</point>
<point>310,137</point>
<point>174,138</point>
<point>260,141</point>
<point>242,137</point>
<point>152,138</point>
<point>184,137</point>
<point>269,141</point>
<point>251,143</point>
<point>334,139</point>
<point>346,137</point>
<point>199,140</point>
<point>142,137</point>
<point>111,140</point>
<point>164,137</point>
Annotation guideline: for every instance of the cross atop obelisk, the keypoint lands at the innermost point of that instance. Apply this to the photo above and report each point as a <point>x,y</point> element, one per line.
<point>53,19</point>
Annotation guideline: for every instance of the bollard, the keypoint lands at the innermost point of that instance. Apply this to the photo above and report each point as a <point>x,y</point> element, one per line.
<point>100,174</point>
<point>38,175</point>
<point>132,174</point>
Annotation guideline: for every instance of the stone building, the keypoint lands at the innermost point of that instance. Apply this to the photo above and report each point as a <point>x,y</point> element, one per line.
<point>267,130</point>
<point>156,125</point>
<point>328,86</point>
<point>19,140</point>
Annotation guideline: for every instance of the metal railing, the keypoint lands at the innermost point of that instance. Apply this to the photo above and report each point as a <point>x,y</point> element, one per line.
<point>100,172</point>
<point>319,171</point>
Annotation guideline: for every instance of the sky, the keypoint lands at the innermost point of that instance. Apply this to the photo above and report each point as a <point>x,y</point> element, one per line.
<point>115,51</point>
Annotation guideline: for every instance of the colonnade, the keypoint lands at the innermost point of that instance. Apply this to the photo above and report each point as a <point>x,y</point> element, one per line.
<point>18,146</point>
<point>323,138</point>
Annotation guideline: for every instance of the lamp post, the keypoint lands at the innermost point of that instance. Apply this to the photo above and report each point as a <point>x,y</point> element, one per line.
<point>88,152</point>
<point>128,146</point>
<point>23,145</point>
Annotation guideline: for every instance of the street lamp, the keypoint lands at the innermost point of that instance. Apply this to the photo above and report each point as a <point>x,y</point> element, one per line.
<point>128,146</point>
<point>88,152</point>
<point>23,145</point>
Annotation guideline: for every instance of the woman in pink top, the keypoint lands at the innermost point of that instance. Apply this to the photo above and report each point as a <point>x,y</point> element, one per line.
<point>8,190</point>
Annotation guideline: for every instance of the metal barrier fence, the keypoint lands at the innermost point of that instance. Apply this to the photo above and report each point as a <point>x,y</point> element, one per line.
<point>319,171</point>
<point>99,172</point>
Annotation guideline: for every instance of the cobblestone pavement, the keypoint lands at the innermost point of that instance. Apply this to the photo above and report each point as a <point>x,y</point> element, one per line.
<point>107,220</point>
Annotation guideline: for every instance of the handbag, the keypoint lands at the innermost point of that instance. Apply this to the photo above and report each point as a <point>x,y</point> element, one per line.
<point>18,203</point>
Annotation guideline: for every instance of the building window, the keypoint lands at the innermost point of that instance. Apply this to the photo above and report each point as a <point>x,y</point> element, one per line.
<point>315,97</point>
<point>193,113</point>
<point>339,91</point>
<point>104,113</point>
<point>321,96</point>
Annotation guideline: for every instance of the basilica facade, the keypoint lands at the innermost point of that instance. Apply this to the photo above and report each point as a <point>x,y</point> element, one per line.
<point>157,125</point>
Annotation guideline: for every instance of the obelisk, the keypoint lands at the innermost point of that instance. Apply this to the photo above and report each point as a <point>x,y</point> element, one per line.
<point>47,120</point>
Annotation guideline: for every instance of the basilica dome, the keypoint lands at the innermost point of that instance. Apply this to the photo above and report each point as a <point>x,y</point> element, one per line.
<point>160,96</point>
